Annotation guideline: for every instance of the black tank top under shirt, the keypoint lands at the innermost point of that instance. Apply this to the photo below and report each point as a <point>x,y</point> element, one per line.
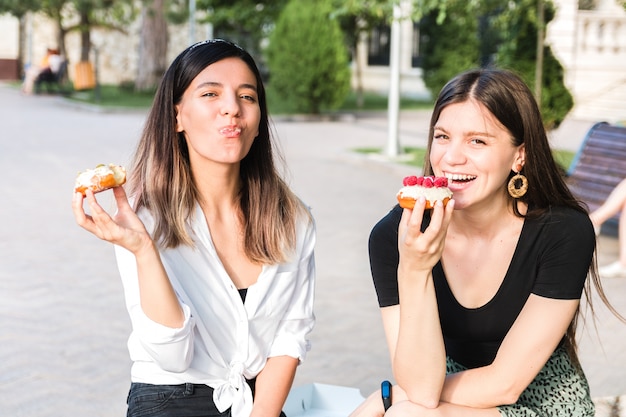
<point>242,293</point>
<point>551,259</point>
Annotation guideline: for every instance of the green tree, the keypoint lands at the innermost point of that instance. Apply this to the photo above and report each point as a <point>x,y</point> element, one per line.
<point>307,57</point>
<point>457,35</point>
<point>246,22</point>
<point>18,8</point>
<point>445,55</point>
<point>493,32</point>
<point>519,52</point>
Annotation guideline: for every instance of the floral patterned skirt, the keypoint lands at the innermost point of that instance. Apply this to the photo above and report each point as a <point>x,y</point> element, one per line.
<point>559,390</point>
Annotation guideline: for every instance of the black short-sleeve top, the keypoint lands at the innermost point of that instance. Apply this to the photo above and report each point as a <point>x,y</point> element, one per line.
<point>551,259</point>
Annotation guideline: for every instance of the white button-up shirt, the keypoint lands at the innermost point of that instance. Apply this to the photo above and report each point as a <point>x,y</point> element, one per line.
<point>223,341</point>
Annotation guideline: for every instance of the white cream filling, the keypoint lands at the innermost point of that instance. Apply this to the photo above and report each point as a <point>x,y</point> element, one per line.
<point>431,194</point>
<point>92,176</point>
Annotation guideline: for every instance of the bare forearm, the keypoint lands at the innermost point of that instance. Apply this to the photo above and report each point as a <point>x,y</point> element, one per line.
<point>476,388</point>
<point>273,385</point>
<point>158,299</point>
<point>420,359</point>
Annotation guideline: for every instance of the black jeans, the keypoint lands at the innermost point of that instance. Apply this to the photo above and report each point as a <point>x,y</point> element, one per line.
<point>185,400</point>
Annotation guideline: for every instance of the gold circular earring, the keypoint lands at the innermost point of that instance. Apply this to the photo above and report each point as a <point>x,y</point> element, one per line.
<point>518,184</point>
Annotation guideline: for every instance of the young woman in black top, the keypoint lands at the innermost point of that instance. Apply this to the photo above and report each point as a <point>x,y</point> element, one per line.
<point>479,298</point>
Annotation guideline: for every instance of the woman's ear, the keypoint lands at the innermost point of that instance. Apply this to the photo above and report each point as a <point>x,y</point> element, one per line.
<point>520,159</point>
<point>179,123</point>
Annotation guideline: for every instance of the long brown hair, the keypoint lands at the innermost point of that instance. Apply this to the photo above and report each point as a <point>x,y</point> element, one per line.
<point>511,102</point>
<point>162,182</point>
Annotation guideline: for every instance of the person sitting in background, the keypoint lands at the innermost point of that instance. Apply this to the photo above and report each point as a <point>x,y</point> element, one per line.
<point>50,73</point>
<point>48,66</point>
<point>615,203</point>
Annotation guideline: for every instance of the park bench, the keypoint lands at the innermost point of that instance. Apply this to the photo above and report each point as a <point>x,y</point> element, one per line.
<point>597,168</point>
<point>53,82</point>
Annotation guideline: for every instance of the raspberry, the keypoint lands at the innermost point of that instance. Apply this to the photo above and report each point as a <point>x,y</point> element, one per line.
<point>419,181</point>
<point>428,182</point>
<point>441,182</point>
<point>410,180</point>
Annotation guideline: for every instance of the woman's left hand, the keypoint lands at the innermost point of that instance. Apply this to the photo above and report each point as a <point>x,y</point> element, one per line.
<point>371,407</point>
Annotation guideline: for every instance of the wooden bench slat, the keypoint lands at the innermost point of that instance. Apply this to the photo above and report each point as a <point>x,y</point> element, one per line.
<point>597,168</point>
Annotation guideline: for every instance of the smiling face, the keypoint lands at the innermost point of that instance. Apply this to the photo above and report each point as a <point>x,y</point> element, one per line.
<point>219,113</point>
<point>475,152</point>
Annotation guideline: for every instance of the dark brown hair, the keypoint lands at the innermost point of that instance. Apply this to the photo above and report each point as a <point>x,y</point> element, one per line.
<point>511,102</point>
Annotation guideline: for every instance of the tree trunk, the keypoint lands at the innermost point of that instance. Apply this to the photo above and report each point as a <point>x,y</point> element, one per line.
<point>21,45</point>
<point>360,99</point>
<point>62,32</point>
<point>152,45</point>
<point>85,36</point>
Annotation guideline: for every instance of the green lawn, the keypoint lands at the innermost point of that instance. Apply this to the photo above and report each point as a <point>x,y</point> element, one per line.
<point>114,96</point>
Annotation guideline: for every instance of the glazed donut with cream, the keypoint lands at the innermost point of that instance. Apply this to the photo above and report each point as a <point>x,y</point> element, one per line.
<point>100,178</point>
<point>431,188</point>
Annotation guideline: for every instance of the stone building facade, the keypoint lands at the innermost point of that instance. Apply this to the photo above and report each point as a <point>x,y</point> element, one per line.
<point>591,46</point>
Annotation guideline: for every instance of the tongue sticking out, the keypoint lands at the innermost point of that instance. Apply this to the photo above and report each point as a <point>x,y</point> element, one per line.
<point>230,132</point>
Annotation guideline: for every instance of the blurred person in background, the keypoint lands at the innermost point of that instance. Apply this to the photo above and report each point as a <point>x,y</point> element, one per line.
<point>45,71</point>
<point>615,203</point>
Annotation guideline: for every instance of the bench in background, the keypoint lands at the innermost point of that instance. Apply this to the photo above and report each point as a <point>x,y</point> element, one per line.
<point>597,168</point>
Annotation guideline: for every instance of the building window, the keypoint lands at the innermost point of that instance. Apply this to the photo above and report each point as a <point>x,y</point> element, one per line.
<point>378,46</point>
<point>416,47</point>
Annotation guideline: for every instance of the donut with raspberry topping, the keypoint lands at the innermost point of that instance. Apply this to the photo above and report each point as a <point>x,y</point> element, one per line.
<point>430,187</point>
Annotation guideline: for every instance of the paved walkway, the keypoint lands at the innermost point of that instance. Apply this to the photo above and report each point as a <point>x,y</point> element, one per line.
<point>63,325</point>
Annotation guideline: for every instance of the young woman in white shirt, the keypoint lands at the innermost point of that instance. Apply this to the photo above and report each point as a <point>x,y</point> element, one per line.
<point>216,254</point>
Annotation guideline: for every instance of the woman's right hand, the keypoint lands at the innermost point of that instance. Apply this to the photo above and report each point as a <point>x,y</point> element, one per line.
<point>124,229</point>
<point>158,299</point>
<point>420,251</point>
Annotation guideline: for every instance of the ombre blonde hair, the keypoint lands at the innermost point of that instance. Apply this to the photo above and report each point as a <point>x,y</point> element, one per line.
<point>161,180</point>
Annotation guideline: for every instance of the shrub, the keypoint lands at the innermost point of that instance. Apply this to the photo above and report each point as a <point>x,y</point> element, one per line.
<point>307,59</point>
<point>449,47</point>
<point>498,32</point>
